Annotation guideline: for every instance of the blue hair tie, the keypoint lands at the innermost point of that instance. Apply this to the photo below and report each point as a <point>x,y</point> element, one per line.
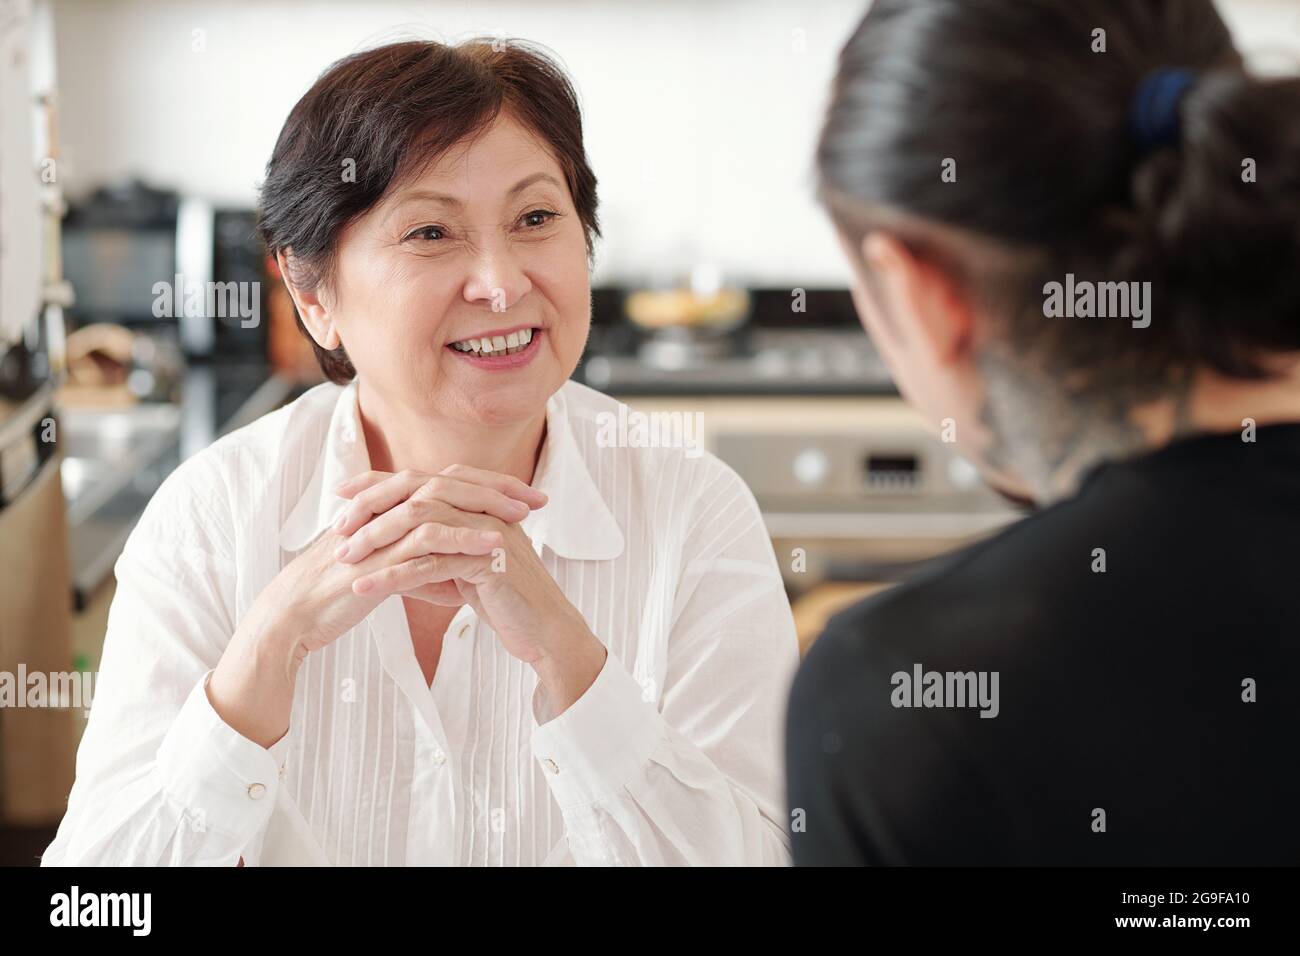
<point>1154,116</point>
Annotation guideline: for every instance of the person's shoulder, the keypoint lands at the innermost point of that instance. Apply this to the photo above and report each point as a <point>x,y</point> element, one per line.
<point>254,453</point>
<point>203,492</point>
<point>986,590</point>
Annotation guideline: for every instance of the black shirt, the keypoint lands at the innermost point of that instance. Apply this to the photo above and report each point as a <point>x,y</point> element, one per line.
<point>1119,691</point>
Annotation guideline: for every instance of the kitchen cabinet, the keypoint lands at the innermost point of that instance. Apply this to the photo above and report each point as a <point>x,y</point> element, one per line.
<point>37,741</point>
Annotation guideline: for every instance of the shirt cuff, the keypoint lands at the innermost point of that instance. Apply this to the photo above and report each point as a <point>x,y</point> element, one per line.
<point>222,780</point>
<point>600,742</point>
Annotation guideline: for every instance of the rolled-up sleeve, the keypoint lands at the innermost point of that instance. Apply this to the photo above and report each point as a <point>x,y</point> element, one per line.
<point>161,779</point>
<point>691,775</point>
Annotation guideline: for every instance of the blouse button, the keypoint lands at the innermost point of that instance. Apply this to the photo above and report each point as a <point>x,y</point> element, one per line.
<point>256,790</point>
<point>439,758</point>
<point>464,629</point>
<point>551,765</point>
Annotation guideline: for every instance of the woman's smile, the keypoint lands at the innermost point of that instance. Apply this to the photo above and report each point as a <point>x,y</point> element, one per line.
<point>499,350</point>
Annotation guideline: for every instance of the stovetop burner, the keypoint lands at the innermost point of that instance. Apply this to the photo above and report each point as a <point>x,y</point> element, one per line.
<point>755,361</point>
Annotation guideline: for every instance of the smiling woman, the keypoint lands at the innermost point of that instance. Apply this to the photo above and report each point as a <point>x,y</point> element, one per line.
<point>426,614</point>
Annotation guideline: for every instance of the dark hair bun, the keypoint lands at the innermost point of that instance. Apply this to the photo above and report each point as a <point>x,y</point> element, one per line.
<point>1038,120</point>
<point>1220,218</point>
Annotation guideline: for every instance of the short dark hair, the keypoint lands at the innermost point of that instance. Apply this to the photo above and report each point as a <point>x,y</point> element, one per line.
<point>388,112</point>
<point>1039,126</point>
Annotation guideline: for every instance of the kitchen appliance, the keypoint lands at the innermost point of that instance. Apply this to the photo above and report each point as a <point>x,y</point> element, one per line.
<point>135,255</point>
<point>793,341</point>
<point>856,482</point>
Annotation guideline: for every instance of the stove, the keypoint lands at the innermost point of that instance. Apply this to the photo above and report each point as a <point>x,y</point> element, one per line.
<point>773,362</point>
<point>819,351</point>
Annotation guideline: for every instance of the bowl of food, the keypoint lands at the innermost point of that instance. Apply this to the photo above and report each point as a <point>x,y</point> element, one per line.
<point>688,323</point>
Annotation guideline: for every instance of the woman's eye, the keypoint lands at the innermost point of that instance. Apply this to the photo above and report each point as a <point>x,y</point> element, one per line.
<point>431,233</point>
<point>537,218</point>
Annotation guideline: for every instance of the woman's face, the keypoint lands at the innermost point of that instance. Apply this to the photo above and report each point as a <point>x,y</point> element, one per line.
<point>484,244</point>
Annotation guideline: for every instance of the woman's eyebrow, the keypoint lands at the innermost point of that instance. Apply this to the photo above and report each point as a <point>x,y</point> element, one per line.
<point>425,195</point>
<point>447,199</point>
<point>534,178</point>
<point>416,195</point>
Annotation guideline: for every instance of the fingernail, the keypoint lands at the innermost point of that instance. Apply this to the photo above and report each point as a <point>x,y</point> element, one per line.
<point>342,520</point>
<point>341,551</point>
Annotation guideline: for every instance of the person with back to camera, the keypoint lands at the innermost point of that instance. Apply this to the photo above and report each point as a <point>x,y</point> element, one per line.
<point>1103,296</point>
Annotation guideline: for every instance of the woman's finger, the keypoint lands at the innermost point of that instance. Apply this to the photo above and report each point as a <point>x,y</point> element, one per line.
<point>474,498</point>
<point>417,521</point>
<point>372,493</point>
<point>442,500</point>
<point>385,494</point>
<point>506,484</point>
<point>417,572</point>
<point>358,483</point>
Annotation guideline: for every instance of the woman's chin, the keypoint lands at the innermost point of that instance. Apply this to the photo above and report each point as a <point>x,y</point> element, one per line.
<point>505,397</point>
<point>507,403</point>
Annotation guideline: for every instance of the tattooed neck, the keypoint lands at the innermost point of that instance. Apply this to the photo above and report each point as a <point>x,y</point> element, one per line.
<point>1050,436</point>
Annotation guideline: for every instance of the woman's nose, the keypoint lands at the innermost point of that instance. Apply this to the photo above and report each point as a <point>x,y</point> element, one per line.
<point>496,280</point>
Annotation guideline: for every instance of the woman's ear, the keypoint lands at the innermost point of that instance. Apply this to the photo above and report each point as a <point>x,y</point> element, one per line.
<point>314,312</point>
<point>924,307</point>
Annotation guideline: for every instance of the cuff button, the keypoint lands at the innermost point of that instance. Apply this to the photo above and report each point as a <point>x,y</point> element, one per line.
<point>551,765</point>
<point>256,791</point>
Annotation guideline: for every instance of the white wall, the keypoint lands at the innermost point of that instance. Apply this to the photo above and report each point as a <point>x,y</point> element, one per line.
<point>700,116</point>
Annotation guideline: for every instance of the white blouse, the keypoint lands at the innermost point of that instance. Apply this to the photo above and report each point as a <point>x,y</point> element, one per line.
<point>672,756</point>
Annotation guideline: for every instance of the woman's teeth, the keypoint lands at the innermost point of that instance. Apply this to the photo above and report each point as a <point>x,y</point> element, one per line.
<point>497,344</point>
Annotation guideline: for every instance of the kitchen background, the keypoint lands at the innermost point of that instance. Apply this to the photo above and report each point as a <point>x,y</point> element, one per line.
<point>134,135</point>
